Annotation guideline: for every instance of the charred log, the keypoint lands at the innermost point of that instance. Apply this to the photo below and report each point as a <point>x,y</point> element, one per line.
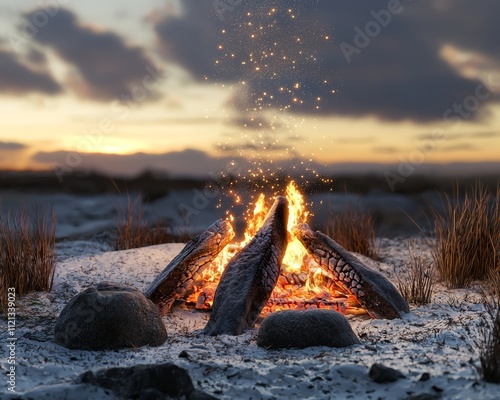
<point>372,290</point>
<point>250,276</point>
<point>178,276</point>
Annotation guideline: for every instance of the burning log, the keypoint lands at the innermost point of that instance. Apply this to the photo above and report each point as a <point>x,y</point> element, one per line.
<point>178,276</point>
<point>250,276</point>
<point>373,291</point>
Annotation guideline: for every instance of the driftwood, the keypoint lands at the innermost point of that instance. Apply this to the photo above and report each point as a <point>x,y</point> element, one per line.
<point>372,290</point>
<point>178,276</point>
<point>250,276</point>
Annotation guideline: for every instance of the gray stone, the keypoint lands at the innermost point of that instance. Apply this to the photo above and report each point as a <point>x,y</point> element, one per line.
<point>306,328</point>
<point>109,316</point>
<point>146,382</point>
<point>424,396</point>
<point>381,374</point>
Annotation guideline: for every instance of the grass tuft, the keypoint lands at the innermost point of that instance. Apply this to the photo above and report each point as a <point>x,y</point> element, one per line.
<point>467,237</point>
<point>27,257</point>
<point>354,230</point>
<point>133,231</point>
<point>416,282</point>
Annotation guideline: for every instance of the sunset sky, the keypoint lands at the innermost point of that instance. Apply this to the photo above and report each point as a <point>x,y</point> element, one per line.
<point>180,86</point>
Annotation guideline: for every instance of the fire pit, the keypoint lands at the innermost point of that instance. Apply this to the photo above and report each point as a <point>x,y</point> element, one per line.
<point>281,264</point>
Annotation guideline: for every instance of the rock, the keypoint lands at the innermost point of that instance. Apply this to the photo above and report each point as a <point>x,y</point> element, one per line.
<point>424,396</point>
<point>109,316</point>
<point>183,354</point>
<point>146,382</point>
<point>425,377</point>
<point>381,374</point>
<point>306,328</point>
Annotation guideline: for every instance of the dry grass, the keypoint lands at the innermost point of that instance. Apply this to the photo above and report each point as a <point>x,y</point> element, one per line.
<point>354,230</point>
<point>133,231</point>
<point>27,252</point>
<point>416,282</point>
<point>489,332</point>
<point>467,237</point>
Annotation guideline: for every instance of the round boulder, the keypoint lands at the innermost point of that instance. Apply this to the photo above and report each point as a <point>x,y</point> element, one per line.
<point>109,316</point>
<point>305,328</point>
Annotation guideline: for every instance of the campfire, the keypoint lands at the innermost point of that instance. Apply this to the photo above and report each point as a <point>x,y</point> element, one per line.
<point>301,283</point>
<point>280,264</point>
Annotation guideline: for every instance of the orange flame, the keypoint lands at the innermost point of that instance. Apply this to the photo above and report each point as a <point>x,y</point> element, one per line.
<point>295,251</point>
<point>302,282</point>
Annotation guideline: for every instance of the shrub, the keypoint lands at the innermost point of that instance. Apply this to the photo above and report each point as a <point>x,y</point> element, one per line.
<point>133,231</point>
<point>416,282</point>
<point>467,237</point>
<point>354,230</point>
<point>27,252</point>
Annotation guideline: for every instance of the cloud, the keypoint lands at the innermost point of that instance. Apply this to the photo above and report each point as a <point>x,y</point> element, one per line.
<point>466,26</point>
<point>484,135</point>
<point>289,63</point>
<point>191,40</point>
<point>255,122</point>
<point>108,68</point>
<point>195,163</point>
<point>10,154</point>
<point>182,163</point>
<point>460,136</point>
<point>263,149</point>
<point>12,146</point>
<point>187,163</point>
<point>354,140</point>
<point>459,147</point>
<point>18,77</point>
<point>386,150</point>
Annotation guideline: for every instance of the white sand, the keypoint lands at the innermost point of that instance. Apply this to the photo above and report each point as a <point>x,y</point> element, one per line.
<point>438,339</point>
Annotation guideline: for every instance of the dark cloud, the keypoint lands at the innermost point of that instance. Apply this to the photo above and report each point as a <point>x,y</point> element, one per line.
<point>18,77</point>
<point>255,123</point>
<point>191,40</point>
<point>398,75</point>
<point>36,57</point>
<point>465,25</point>
<point>107,67</point>
<point>11,146</point>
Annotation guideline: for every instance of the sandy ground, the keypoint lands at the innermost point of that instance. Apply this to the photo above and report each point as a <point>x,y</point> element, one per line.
<point>438,339</point>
